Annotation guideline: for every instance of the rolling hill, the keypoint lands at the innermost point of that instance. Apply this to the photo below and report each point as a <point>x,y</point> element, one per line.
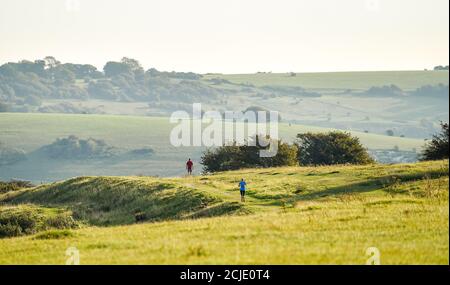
<point>293,215</point>
<point>407,80</point>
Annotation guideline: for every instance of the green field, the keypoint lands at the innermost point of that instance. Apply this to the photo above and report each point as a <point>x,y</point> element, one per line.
<point>293,215</point>
<point>407,80</point>
<point>30,131</point>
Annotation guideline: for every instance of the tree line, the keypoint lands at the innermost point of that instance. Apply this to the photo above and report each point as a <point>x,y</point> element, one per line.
<point>28,82</point>
<point>309,149</point>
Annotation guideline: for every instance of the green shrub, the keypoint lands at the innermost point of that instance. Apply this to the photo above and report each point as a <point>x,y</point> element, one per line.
<point>18,221</point>
<point>437,148</point>
<point>331,148</point>
<point>73,147</point>
<point>26,220</point>
<point>9,230</point>
<point>14,185</point>
<point>61,221</point>
<point>232,157</point>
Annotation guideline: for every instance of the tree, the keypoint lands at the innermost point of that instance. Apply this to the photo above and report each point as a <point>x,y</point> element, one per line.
<point>102,89</point>
<point>63,74</point>
<point>331,148</point>
<point>83,71</point>
<point>125,66</point>
<point>113,68</point>
<point>51,62</point>
<point>234,156</point>
<point>440,67</point>
<point>437,148</point>
<point>429,91</point>
<point>132,63</point>
<point>384,91</point>
<point>390,133</point>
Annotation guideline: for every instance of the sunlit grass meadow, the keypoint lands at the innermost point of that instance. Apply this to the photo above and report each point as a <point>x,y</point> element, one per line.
<point>293,215</point>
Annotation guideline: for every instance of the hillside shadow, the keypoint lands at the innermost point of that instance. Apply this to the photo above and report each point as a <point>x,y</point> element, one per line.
<point>380,183</point>
<point>110,201</point>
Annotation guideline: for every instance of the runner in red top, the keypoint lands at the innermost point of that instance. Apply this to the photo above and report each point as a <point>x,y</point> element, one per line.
<point>189,165</point>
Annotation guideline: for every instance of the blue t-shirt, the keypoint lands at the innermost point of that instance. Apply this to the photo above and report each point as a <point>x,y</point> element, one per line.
<point>242,185</point>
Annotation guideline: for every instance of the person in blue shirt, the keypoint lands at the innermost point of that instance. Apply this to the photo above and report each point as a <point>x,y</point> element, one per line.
<point>242,185</point>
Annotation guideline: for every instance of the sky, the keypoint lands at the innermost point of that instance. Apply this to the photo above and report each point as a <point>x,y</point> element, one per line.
<point>230,36</point>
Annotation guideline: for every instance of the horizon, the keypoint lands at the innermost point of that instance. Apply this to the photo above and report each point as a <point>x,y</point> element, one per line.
<point>228,37</point>
<point>100,68</point>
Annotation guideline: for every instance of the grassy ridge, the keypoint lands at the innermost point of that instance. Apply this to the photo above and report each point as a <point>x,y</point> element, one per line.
<point>294,215</point>
<point>407,80</point>
<point>106,201</point>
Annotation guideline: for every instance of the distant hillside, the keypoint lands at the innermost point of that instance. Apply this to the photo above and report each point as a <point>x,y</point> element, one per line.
<point>24,85</point>
<point>407,80</point>
<point>30,132</point>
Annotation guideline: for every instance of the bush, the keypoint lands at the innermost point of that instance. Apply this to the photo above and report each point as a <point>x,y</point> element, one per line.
<point>384,91</point>
<point>390,133</point>
<point>440,67</point>
<point>16,222</point>
<point>25,220</point>
<point>430,91</point>
<point>10,155</point>
<point>14,185</point>
<point>10,230</point>
<point>61,221</point>
<point>74,148</point>
<point>331,148</point>
<point>232,157</point>
<point>437,148</point>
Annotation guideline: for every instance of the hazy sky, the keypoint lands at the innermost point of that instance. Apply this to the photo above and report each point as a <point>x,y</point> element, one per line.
<point>230,36</point>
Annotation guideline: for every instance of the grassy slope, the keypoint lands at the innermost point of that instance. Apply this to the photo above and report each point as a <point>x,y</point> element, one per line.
<point>297,216</point>
<point>107,201</point>
<point>406,80</point>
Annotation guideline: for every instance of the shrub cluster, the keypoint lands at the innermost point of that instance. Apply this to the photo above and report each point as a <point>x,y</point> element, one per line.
<point>331,148</point>
<point>9,155</point>
<point>25,220</point>
<point>437,148</point>
<point>309,149</point>
<point>231,157</point>
<point>14,185</point>
<point>73,147</point>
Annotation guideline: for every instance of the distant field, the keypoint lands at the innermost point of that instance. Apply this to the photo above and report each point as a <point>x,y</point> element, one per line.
<point>29,132</point>
<point>406,80</point>
<point>293,215</point>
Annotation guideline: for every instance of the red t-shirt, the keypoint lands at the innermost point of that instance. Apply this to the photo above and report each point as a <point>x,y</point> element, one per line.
<point>189,164</point>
